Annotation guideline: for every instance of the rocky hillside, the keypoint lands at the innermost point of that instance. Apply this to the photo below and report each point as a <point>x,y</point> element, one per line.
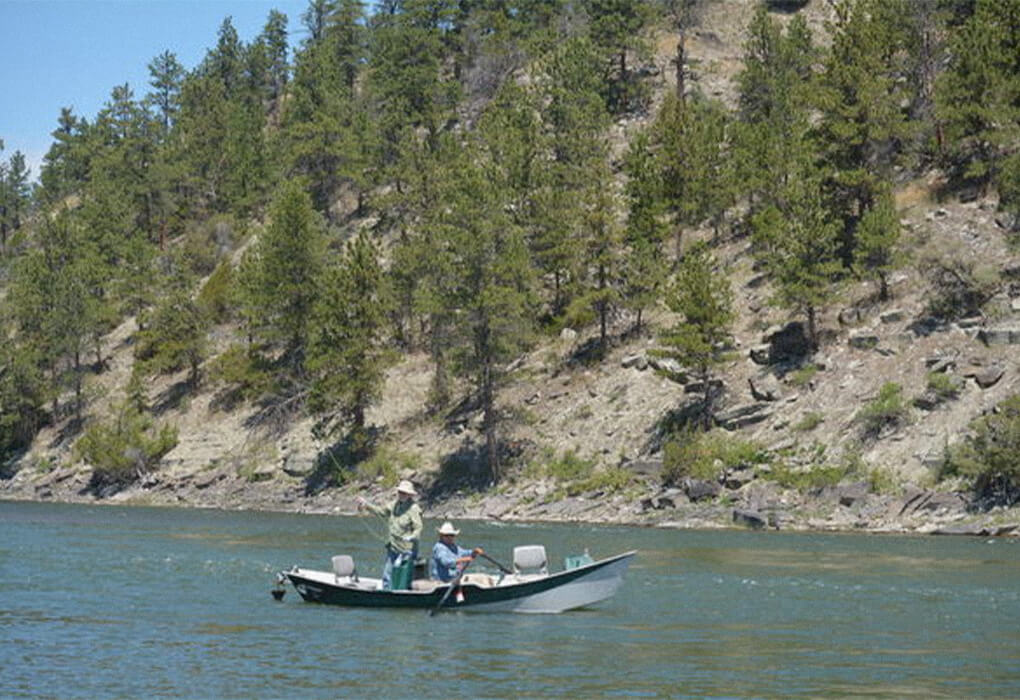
<point>611,414</point>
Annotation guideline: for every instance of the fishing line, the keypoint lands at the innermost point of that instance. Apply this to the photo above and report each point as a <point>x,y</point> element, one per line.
<point>377,534</point>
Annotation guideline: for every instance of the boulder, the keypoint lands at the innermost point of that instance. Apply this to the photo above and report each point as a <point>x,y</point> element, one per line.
<point>789,343</point>
<point>737,478</point>
<point>765,388</point>
<point>637,361</point>
<point>849,494</point>
<point>749,518</point>
<point>1001,335</point>
<point>747,414</point>
<point>700,490</point>
<point>863,341</point>
<point>988,377</point>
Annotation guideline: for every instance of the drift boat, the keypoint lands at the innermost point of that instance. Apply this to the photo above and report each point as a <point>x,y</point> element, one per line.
<point>527,588</point>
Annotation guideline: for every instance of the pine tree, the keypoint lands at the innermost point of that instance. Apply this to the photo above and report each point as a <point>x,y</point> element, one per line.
<point>877,236</point>
<point>704,300</point>
<point>860,93</point>
<point>348,356</point>
<point>978,96</point>
<point>280,278</point>
<point>600,273</point>
<point>645,264</point>
<point>165,76</point>
<point>490,290</point>
<point>797,241</point>
<point>616,27</point>
<point>771,133</point>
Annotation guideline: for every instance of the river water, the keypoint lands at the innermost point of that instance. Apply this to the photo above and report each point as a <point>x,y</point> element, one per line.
<point>116,602</point>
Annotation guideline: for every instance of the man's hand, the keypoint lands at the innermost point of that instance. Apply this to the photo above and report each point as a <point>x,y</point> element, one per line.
<point>476,551</point>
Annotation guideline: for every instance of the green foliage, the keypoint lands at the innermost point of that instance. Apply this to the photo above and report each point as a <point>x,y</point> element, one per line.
<point>347,354</point>
<point>121,450</point>
<point>246,375</point>
<point>978,97</point>
<point>990,456</point>
<point>214,298</point>
<point>877,235</point>
<point>705,301</point>
<point>568,467</point>
<point>804,480</point>
<point>278,280</point>
<point>175,338</point>
<point>606,481</point>
<point>802,377</point>
<point>798,244</point>
<point>810,421</point>
<point>887,411</point>
<point>386,464</point>
<point>707,455</point>
<point>944,386</point>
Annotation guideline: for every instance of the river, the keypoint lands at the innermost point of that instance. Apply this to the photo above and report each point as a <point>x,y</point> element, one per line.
<point>121,602</point>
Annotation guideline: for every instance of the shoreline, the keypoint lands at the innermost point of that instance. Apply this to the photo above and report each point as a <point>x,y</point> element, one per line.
<point>755,505</point>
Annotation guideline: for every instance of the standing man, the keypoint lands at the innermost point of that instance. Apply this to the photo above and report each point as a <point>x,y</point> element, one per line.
<point>405,522</point>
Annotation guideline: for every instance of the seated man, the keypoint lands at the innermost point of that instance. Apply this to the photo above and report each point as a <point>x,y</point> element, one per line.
<point>448,559</point>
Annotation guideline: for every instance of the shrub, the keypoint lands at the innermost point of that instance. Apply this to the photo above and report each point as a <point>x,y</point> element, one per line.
<point>888,410</point>
<point>990,457</point>
<point>246,374</point>
<point>607,481</point>
<point>569,467</point>
<point>943,386</point>
<point>121,451</point>
<point>806,479</point>
<point>810,421</point>
<point>707,455</point>
<point>215,296</point>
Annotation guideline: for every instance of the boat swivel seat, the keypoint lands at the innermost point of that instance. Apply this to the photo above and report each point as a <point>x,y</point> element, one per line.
<point>343,567</point>
<point>530,561</point>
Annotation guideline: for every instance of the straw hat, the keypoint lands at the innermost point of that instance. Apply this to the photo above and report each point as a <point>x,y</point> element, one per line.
<point>447,528</point>
<point>407,487</point>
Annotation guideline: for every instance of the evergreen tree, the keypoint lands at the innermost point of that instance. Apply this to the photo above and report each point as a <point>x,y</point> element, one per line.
<point>978,96</point>
<point>165,76</point>
<point>694,163</point>
<point>175,338</point>
<point>280,280</point>
<point>645,263</point>
<point>616,27</point>
<point>877,236</point>
<point>347,356</point>
<point>860,94</point>
<point>491,288</point>
<point>66,164</point>
<point>771,133</point>
<point>15,195</point>
<point>704,300</point>
<point>600,273</point>
<point>797,241</point>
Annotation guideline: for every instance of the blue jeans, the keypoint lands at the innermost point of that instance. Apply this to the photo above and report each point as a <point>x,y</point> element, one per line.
<point>394,558</point>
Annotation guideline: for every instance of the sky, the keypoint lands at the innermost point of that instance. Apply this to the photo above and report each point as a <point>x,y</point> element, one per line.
<point>72,53</point>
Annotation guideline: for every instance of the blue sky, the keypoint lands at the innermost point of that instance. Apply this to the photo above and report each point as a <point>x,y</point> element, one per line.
<point>71,53</point>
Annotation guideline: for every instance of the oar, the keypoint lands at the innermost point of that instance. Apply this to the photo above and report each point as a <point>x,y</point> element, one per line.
<point>455,583</point>
<point>502,568</point>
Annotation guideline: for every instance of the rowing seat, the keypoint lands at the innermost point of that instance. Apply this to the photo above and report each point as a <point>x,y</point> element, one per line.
<point>343,567</point>
<point>530,562</point>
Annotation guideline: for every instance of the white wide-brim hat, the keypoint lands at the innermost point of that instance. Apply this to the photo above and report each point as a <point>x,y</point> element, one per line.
<point>407,487</point>
<point>447,528</point>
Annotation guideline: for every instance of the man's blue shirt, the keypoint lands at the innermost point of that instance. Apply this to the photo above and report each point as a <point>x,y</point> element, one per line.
<point>443,565</point>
